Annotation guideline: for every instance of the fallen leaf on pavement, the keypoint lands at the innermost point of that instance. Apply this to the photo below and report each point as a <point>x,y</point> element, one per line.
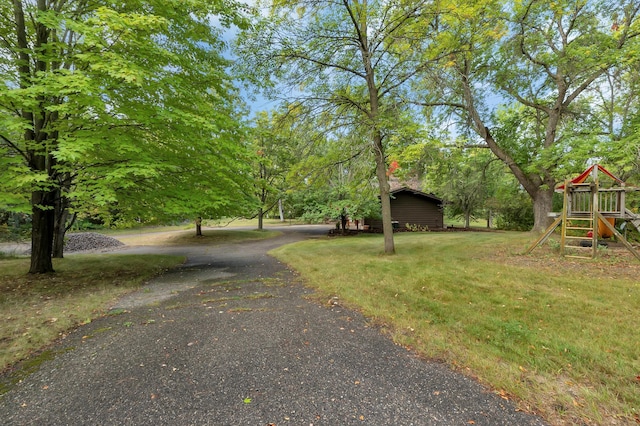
<point>503,395</point>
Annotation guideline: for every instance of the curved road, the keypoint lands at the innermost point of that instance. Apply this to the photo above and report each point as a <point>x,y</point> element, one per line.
<point>230,339</point>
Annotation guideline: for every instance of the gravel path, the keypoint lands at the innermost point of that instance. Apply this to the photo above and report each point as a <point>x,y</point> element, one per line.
<point>230,339</point>
<point>74,242</point>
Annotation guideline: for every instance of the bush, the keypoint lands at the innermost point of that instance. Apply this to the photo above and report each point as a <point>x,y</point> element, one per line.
<point>516,215</point>
<point>14,226</point>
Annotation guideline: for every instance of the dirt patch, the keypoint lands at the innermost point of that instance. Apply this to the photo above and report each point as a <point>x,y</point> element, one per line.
<point>616,262</point>
<point>168,285</point>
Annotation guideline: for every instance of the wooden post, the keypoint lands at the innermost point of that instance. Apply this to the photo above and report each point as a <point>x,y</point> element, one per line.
<point>565,208</point>
<point>622,201</point>
<point>594,217</point>
<point>618,235</point>
<point>544,236</point>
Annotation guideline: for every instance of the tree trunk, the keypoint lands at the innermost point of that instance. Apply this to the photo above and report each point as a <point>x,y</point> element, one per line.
<point>385,200</point>
<point>467,220</point>
<point>373,117</point>
<point>281,209</point>
<point>43,218</point>
<point>60,224</point>
<point>199,227</point>
<point>542,205</point>
<point>533,184</point>
<point>59,230</point>
<point>260,219</point>
<point>39,160</point>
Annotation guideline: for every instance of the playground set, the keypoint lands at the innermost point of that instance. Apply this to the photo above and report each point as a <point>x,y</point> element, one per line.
<point>589,213</point>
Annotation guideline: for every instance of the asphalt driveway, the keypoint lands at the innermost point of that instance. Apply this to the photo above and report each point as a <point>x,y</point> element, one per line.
<point>230,339</point>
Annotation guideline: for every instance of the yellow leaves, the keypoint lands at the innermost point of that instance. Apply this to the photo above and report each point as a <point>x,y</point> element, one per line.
<point>498,32</point>
<point>128,22</point>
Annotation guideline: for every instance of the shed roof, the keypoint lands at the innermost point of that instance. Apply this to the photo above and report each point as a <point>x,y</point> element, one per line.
<point>416,192</point>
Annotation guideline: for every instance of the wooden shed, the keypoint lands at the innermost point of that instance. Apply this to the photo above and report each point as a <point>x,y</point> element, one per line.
<point>412,207</point>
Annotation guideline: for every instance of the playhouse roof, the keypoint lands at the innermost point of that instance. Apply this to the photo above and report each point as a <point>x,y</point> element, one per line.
<point>584,175</point>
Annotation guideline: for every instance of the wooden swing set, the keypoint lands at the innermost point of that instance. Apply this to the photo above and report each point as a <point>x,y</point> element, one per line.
<point>589,212</point>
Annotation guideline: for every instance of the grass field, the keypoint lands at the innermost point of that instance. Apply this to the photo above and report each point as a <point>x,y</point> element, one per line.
<point>559,336</point>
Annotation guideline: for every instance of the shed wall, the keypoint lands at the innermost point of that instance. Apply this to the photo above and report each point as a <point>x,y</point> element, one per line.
<point>408,208</point>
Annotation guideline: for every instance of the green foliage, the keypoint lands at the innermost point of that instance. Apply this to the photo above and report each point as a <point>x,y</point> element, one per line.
<point>121,105</point>
<point>465,176</point>
<point>316,204</point>
<point>465,181</point>
<point>547,86</point>
<point>514,211</point>
<point>14,226</point>
<point>416,228</point>
<point>350,64</point>
<point>274,140</point>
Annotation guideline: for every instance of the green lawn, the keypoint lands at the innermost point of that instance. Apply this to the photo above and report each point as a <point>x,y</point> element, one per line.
<point>560,336</point>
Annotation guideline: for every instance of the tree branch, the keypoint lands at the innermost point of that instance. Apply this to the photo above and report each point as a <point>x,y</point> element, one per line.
<point>322,63</point>
<point>14,147</point>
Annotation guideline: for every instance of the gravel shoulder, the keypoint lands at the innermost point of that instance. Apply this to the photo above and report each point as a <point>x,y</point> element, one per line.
<point>74,243</point>
<point>231,338</point>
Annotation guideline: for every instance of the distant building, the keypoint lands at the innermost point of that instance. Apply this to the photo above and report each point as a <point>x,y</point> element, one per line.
<point>414,208</point>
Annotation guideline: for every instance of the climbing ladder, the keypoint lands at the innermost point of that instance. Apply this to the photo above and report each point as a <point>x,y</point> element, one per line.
<point>579,221</point>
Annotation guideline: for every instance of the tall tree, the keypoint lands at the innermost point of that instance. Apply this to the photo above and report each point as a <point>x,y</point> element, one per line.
<point>349,60</point>
<point>614,115</point>
<point>333,179</point>
<point>274,139</point>
<point>543,56</point>
<point>463,178</point>
<point>124,102</point>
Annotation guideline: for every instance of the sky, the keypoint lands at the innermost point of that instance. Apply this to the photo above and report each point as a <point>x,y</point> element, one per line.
<point>255,101</point>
